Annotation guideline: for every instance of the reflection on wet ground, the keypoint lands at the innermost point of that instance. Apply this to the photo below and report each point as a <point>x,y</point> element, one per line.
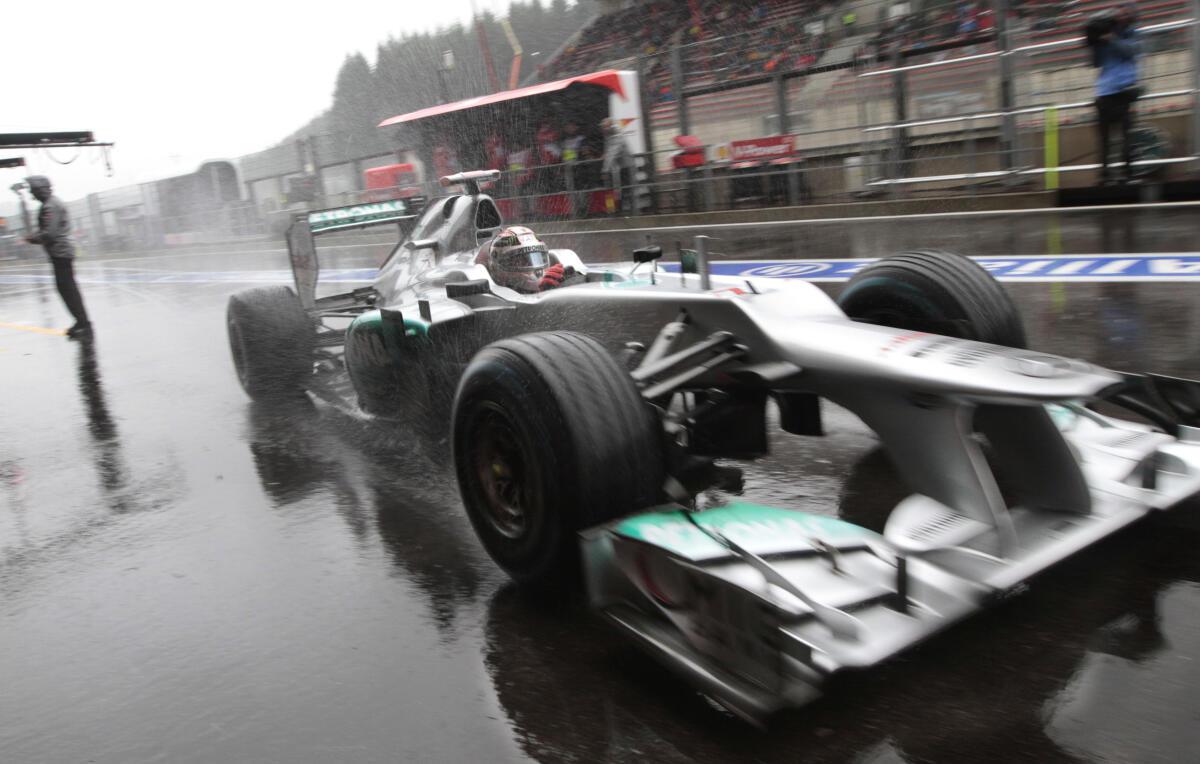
<point>384,485</point>
<point>185,576</point>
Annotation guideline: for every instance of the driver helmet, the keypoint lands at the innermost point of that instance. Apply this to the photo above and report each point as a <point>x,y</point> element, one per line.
<point>517,258</point>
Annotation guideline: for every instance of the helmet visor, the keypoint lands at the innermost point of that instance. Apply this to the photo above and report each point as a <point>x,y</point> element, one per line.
<point>529,258</point>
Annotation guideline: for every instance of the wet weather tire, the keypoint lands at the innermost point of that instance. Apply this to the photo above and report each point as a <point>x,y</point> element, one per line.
<point>272,340</point>
<point>934,291</point>
<point>550,436</point>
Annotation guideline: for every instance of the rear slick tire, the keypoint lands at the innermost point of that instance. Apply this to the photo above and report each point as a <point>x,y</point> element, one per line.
<point>551,436</point>
<point>937,292</point>
<point>272,341</point>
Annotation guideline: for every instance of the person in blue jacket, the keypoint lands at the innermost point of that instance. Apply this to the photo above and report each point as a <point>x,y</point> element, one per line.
<point>1115,50</point>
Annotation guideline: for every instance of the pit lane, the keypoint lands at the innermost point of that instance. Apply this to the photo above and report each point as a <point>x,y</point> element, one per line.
<point>185,576</point>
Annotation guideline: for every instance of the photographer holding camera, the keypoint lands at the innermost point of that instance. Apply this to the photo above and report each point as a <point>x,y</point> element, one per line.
<point>1115,50</point>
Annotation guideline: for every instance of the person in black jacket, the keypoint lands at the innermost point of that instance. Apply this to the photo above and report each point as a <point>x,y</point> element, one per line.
<point>54,233</point>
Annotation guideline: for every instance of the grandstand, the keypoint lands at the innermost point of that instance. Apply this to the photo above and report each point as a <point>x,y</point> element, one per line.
<point>822,72</point>
<point>644,29</point>
<point>837,56</point>
<point>904,90</point>
<point>719,40</point>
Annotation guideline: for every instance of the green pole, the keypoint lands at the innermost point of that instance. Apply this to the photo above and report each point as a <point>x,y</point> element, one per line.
<point>1050,144</point>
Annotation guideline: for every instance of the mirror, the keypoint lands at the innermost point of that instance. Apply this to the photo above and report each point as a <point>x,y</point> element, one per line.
<point>422,244</point>
<point>688,261</point>
<point>647,254</point>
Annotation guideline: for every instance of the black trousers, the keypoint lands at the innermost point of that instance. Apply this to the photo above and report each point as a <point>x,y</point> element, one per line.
<point>1115,110</point>
<point>64,280</point>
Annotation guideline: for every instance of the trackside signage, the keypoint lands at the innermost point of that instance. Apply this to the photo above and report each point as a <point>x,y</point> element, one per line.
<point>1184,266</point>
<point>358,214</point>
<point>771,147</point>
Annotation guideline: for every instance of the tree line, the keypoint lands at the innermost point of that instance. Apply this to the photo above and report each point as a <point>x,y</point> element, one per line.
<point>405,76</point>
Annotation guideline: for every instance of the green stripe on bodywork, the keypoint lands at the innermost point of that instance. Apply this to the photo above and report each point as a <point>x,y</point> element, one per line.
<point>612,283</point>
<point>372,321</point>
<point>751,525</point>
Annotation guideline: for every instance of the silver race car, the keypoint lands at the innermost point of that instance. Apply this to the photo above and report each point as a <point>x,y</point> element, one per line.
<point>584,419</point>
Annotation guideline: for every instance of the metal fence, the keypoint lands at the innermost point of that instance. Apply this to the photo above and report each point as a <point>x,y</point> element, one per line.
<point>908,103</point>
<point>882,98</point>
<point>899,103</point>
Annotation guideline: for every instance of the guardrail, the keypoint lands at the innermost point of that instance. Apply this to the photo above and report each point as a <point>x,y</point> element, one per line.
<point>1060,43</point>
<point>895,145</point>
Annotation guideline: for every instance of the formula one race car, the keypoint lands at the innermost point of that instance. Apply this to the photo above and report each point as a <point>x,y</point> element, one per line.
<point>585,419</point>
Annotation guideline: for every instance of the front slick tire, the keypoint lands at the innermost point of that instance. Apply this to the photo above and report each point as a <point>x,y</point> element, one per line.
<point>550,437</point>
<point>934,291</point>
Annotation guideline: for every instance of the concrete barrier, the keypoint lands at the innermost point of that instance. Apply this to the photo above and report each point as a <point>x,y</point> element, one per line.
<point>1015,201</point>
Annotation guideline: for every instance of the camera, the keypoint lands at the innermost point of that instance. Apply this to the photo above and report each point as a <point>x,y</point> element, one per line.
<point>1098,26</point>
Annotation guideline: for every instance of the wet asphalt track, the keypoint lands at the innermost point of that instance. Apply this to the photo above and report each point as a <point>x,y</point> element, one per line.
<point>187,577</point>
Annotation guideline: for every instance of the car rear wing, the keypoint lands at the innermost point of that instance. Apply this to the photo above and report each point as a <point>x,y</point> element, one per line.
<point>306,226</point>
<point>471,180</point>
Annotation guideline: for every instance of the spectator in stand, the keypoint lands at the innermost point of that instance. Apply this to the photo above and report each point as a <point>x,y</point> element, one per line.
<point>496,158</point>
<point>581,166</point>
<point>642,29</point>
<point>572,141</point>
<point>754,37</point>
<point>618,163</point>
<point>1113,41</point>
<point>591,161</point>
<point>445,161</point>
<point>520,160</point>
<point>548,158</point>
<point>968,19</point>
<point>987,20</point>
<point>497,154</point>
<point>947,24</point>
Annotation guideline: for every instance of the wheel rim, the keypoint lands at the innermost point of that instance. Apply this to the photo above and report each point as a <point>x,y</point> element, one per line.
<point>502,468</point>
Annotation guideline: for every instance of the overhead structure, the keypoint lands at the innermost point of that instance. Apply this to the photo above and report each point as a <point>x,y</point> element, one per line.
<point>514,73</point>
<point>79,138</point>
<point>485,50</point>
<point>61,138</point>
<point>610,81</point>
<point>465,133</point>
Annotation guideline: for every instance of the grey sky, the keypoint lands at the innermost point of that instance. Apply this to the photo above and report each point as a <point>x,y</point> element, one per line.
<point>174,84</point>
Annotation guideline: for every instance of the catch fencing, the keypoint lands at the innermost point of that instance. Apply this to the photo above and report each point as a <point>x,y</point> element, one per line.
<point>896,100</point>
<point>927,98</point>
<point>873,99</point>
